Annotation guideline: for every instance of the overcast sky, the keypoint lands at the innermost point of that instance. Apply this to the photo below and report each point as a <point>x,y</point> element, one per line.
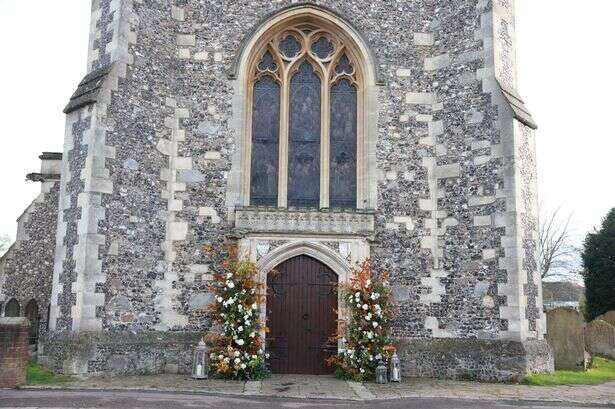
<point>566,76</point>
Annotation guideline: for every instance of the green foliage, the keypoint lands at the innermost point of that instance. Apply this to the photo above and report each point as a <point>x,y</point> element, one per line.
<point>37,375</point>
<point>599,262</point>
<point>368,336</point>
<point>602,371</point>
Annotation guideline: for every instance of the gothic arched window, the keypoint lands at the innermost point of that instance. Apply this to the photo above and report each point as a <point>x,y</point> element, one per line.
<point>304,99</point>
<point>12,308</point>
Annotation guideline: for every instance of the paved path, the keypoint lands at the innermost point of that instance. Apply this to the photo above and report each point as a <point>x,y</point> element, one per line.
<point>156,400</point>
<point>327,387</point>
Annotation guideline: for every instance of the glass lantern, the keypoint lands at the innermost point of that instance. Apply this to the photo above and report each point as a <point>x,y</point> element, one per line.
<point>381,373</point>
<point>200,362</point>
<point>395,368</point>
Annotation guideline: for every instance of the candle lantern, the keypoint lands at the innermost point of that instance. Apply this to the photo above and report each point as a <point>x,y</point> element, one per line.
<point>381,373</point>
<point>200,362</point>
<point>395,368</point>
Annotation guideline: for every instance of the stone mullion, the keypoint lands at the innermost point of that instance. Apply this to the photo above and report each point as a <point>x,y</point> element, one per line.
<point>325,147</point>
<point>283,148</point>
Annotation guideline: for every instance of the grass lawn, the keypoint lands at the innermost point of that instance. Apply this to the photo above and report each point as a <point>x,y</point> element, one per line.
<point>602,371</point>
<point>37,375</point>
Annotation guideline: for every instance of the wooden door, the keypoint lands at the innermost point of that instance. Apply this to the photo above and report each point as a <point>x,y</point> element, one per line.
<point>301,316</point>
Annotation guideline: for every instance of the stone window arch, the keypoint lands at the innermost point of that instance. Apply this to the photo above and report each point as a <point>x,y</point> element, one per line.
<point>32,314</point>
<point>308,94</point>
<point>12,308</point>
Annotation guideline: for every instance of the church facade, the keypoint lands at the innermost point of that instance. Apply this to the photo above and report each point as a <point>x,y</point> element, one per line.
<point>312,136</point>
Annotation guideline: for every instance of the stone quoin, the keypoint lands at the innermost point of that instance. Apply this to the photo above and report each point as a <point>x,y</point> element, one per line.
<point>336,130</point>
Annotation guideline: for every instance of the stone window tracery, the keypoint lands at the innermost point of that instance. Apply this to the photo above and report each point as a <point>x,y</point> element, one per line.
<point>304,110</point>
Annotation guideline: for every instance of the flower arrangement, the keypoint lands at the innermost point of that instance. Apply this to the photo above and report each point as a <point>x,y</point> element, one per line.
<point>367,337</point>
<point>238,351</point>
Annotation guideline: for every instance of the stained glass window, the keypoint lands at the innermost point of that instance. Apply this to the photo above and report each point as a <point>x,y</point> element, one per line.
<point>267,63</point>
<point>322,48</point>
<point>304,138</point>
<point>290,47</point>
<point>265,142</point>
<point>304,65</point>
<point>344,66</point>
<point>343,148</point>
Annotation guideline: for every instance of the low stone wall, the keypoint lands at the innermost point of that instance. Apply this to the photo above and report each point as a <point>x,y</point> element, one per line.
<point>600,339</point>
<point>14,351</point>
<point>471,359</point>
<point>118,353</point>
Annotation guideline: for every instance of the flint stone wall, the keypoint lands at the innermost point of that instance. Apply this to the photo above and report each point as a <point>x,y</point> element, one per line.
<point>566,335</point>
<point>600,338</point>
<point>119,353</point>
<point>26,270</point>
<point>476,360</point>
<point>146,183</point>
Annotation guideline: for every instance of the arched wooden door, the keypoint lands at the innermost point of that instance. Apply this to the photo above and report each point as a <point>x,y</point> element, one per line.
<point>301,316</point>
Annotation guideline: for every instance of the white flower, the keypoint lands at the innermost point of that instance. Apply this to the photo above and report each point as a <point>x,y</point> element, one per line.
<point>220,356</point>
<point>237,360</point>
<point>368,317</point>
<point>231,301</point>
<point>375,324</point>
<point>373,296</point>
<point>219,299</point>
<point>365,307</point>
<point>243,366</point>
<point>240,307</point>
<point>237,353</point>
<point>240,342</point>
<point>357,294</point>
<point>229,275</point>
<point>212,356</point>
<point>267,355</point>
<point>254,357</point>
<point>247,323</point>
<point>226,360</point>
<point>240,328</point>
<point>252,334</point>
<point>230,284</point>
<point>254,306</point>
<point>362,370</point>
<point>370,335</point>
<point>358,305</point>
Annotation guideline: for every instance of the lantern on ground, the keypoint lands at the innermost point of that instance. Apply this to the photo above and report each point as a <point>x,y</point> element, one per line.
<point>381,373</point>
<point>200,362</point>
<point>395,368</point>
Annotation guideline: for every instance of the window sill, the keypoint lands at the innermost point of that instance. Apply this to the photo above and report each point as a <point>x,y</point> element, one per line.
<point>314,221</point>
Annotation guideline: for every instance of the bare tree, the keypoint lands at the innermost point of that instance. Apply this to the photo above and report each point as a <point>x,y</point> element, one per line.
<point>558,255</point>
<point>5,243</point>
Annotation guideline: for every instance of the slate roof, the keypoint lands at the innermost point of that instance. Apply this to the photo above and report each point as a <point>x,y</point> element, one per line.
<point>88,90</point>
<point>521,113</point>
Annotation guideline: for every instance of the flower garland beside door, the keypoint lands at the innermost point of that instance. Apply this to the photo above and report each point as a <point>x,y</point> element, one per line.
<point>367,339</point>
<point>238,352</point>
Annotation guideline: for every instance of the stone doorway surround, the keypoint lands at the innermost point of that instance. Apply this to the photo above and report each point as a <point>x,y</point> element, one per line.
<point>340,252</point>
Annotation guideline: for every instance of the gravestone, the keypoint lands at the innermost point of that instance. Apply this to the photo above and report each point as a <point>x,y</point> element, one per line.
<point>566,334</point>
<point>608,317</point>
<point>600,338</point>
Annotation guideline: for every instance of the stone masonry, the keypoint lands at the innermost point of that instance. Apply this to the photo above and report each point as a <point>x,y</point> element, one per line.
<point>152,176</point>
